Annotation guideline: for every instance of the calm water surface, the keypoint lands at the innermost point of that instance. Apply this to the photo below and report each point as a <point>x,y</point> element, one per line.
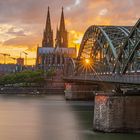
<point>49,118</point>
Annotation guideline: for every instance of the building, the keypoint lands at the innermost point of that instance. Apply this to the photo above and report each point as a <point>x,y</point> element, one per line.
<point>53,53</point>
<point>7,68</point>
<point>20,61</point>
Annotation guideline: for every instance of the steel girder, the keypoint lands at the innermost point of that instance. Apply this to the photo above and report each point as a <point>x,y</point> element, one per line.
<point>102,45</point>
<point>69,67</point>
<point>129,58</point>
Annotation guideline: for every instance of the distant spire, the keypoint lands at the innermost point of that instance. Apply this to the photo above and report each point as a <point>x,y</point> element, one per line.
<point>62,35</point>
<point>62,21</point>
<point>48,33</point>
<point>48,20</point>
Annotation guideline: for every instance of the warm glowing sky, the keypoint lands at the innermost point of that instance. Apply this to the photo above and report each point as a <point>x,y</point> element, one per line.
<point>22,21</point>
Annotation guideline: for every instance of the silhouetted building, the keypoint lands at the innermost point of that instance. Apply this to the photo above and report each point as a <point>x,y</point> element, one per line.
<point>7,68</point>
<point>50,56</point>
<point>20,61</point>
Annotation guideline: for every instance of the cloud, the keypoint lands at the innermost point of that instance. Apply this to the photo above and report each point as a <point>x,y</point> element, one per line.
<point>22,21</point>
<point>23,41</point>
<point>33,12</point>
<point>29,11</point>
<point>16,32</point>
<point>103,12</point>
<point>77,2</point>
<point>74,5</point>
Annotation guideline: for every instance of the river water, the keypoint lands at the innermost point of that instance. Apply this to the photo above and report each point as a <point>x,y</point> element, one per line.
<point>49,117</point>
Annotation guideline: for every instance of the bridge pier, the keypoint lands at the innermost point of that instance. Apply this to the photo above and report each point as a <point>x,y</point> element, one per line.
<point>79,91</point>
<point>117,113</point>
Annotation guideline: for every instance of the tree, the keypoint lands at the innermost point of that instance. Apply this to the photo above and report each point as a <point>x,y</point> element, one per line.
<point>26,77</point>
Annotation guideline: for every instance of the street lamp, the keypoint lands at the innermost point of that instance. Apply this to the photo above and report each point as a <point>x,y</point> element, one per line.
<point>25,58</point>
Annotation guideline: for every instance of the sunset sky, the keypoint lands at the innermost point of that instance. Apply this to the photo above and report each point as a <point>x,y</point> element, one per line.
<point>22,21</point>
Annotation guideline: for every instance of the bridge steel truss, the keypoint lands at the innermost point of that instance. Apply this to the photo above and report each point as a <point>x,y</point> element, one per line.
<point>102,44</point>
<point>129,57</point>
<point>113,50</point>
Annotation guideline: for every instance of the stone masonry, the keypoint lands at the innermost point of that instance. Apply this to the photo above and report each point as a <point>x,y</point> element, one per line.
<point>114,113</point>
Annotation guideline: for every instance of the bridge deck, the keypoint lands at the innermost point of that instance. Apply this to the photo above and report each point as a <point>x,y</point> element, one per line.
<point>124,79</point>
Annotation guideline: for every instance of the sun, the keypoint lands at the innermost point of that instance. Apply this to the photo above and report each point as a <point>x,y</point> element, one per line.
<point>87,61</point>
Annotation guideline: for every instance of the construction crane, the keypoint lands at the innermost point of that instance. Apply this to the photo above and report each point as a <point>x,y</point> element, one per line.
<point>14,59</point>
<point>5,54</point>
<point>25,58</point>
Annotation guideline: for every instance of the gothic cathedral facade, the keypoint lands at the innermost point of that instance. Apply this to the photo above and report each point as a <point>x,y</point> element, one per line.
<point>53,53</point>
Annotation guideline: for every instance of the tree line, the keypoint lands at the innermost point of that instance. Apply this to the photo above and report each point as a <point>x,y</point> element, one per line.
<point>26,77</point>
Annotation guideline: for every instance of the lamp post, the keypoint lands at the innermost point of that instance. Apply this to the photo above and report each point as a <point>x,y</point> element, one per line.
<point>25,56</point>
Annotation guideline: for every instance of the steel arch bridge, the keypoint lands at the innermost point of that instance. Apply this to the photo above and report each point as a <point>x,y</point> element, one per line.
<point>112,54</point>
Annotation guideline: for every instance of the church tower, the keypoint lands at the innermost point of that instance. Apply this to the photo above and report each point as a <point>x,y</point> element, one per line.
<point>62,34</point>
<point>48,33</point>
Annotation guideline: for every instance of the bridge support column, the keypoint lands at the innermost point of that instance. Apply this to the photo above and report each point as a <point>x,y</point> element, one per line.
<point>76,91</point>
<point>114,113</point>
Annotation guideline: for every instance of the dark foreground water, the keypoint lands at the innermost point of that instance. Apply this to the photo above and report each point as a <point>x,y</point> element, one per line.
<point>49,118</point>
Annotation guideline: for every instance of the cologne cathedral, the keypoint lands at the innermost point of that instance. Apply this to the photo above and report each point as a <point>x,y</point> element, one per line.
<point>53,53</point>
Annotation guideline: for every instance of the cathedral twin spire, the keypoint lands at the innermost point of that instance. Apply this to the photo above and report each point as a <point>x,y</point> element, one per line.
<point>62,21</point>
<point>48,32</point>
<point>61,33</point>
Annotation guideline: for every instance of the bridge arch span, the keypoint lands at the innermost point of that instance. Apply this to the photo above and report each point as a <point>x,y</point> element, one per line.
<point>102,45</point>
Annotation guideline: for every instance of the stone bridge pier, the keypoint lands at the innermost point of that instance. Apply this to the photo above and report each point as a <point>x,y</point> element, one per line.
<point>79,91</point>
<point>117,113</point>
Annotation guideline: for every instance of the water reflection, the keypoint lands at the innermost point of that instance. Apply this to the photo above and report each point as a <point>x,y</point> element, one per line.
<point>49,118</point>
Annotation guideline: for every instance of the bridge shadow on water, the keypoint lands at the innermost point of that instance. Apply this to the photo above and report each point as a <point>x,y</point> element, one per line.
<point>49,117</point>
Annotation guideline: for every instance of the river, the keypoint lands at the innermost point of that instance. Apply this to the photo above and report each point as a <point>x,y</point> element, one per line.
<point>49,117</point>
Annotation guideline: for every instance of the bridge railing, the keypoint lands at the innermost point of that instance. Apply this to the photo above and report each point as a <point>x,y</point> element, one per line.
<point>129,79</point>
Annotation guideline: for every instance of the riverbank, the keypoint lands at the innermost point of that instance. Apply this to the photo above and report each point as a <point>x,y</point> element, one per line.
<point>31,90</point>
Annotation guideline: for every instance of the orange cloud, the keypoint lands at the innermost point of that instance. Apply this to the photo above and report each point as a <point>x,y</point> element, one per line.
<point>21,28</point>
<point>75,38</point>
